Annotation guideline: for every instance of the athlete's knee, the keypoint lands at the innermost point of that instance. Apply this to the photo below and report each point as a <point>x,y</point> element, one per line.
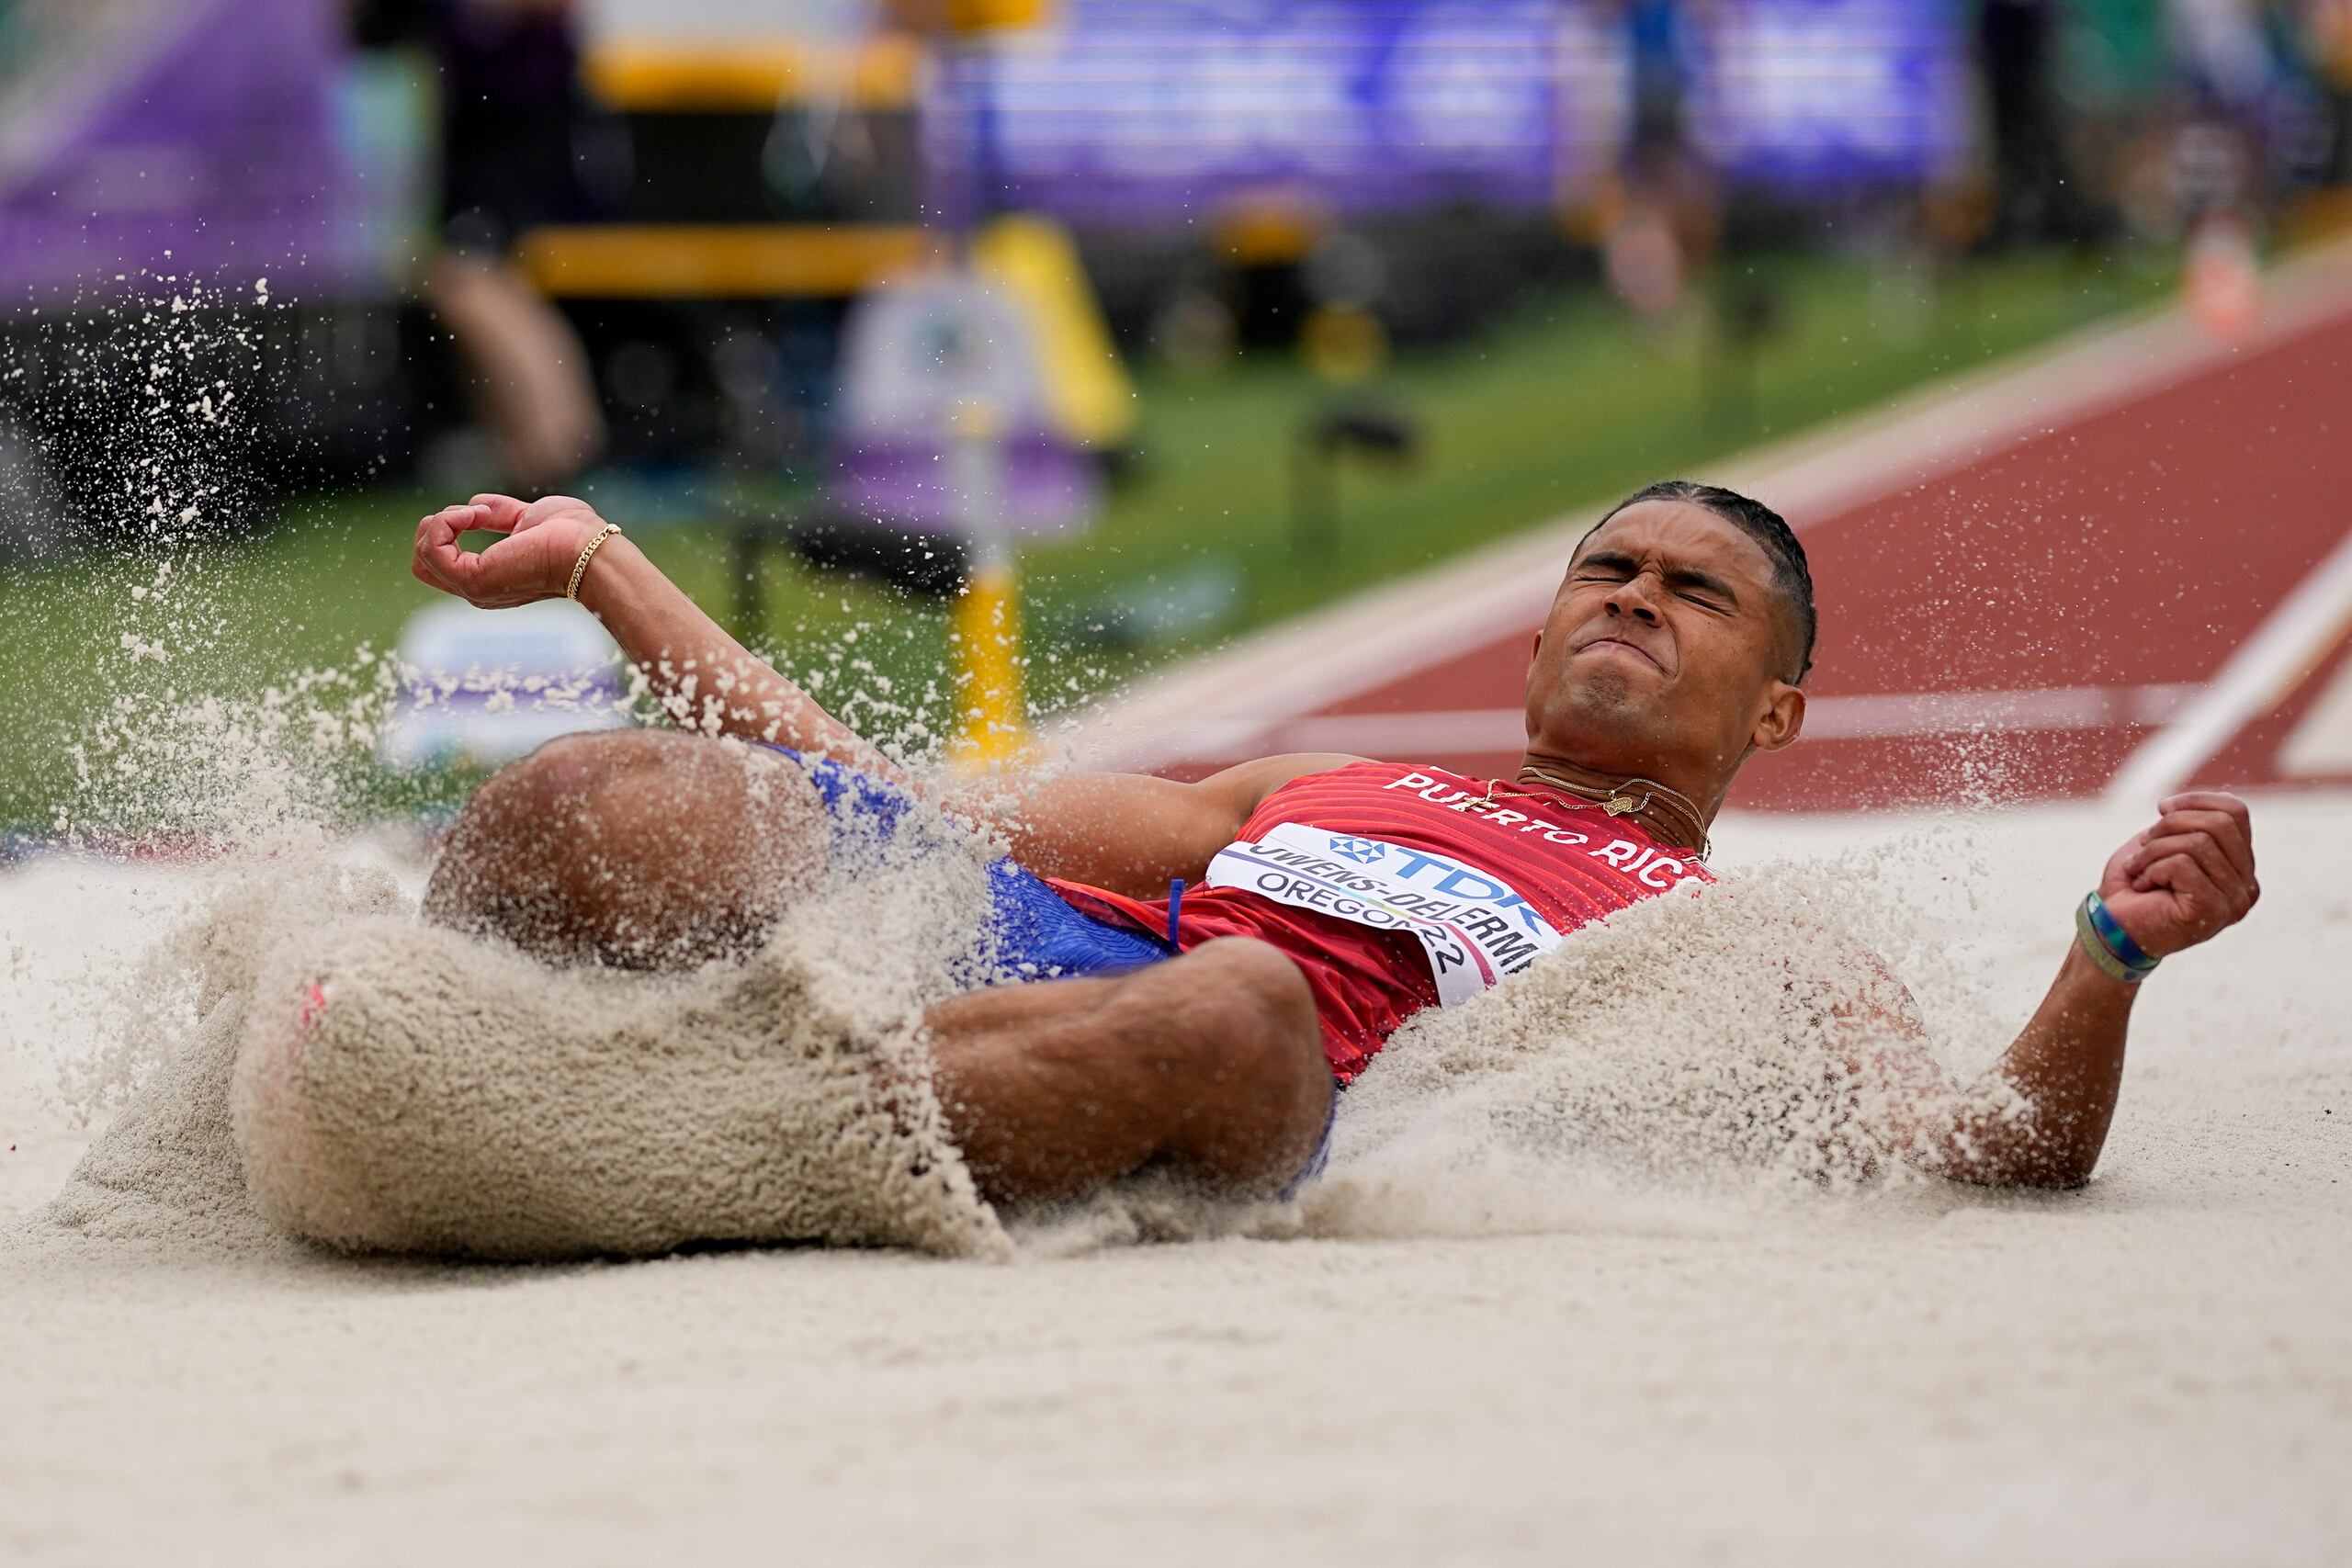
<point>558,794</point>
<point>497,872</point>
<point>1263,1039</point>
<point>635,848</point>
<point>1264,993</point>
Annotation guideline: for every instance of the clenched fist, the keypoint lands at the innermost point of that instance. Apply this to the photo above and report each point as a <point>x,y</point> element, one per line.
<point>543,542</point>
<point>2187,878</point>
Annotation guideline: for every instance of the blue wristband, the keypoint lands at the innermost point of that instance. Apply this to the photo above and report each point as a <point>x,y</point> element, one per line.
<point>2108,944</point>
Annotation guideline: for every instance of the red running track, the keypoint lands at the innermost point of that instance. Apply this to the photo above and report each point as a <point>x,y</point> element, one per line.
<point>2020,626</point>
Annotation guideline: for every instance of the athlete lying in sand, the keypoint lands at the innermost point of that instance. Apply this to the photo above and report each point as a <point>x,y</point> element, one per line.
<point>1326,898</point>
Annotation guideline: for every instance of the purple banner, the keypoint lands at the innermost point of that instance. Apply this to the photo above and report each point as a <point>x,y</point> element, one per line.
<point>1139,109</point>
<point>205,142</point>
<point>1818,95</point>
<point>1155,110</point>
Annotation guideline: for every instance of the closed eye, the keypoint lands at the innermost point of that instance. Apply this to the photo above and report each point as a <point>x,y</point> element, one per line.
<point>1687,583</point>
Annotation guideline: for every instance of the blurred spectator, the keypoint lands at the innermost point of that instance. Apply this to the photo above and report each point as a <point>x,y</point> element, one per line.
<point>517,150</point>
<point>2228,74</point>
<point>1668,219</point>
<point>2114,75</point>
<point>2327,43</point>
<point>2223,55</point>
<point>2017,50</point>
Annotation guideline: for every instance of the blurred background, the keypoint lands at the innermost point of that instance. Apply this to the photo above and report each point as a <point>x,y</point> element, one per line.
<point>1186,315</point>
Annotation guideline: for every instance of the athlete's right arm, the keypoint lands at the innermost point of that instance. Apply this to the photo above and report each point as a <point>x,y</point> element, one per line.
<point>2040,1117</point>
<point>1130,833</point>
<point>705,680</point>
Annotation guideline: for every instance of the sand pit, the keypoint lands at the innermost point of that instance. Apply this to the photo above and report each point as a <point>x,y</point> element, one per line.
<point>1525,1347</point>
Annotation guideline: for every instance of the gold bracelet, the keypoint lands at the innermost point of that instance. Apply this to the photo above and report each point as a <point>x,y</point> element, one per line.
<point>580,567</point>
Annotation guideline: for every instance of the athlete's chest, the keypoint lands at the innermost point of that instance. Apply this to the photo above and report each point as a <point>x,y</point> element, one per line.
<point>1484,879</point>
<point>1547,848</point>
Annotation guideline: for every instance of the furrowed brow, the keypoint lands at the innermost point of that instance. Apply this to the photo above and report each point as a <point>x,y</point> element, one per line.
<point>1706,583</point>
<point>1675,577</point>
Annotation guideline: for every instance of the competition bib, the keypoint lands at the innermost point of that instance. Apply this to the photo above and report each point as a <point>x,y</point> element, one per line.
<point>1474,929</point>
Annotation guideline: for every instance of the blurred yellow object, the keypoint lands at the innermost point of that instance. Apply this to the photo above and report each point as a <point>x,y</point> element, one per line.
<point>972,419</point>
<point>2316,216</point>
<point>1343,344</point>
<point>1958,212</point>
<point>727,260</point>
<point>1268,234</point>
<point>1092,401</point>
<point>994,716</point>
<point>751,76</point>
<point>968,16</point>
<point>1586,221</point>
<point>984,16</point>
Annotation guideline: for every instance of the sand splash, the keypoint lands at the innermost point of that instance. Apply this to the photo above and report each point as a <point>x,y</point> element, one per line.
<point>1692,1054</point>
<point>460,1098</point>
<point>1673,1066</point>
<point>1683,1066</point>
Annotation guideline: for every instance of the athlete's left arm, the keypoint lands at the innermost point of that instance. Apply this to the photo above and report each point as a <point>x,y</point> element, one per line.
<point>2181,881</point>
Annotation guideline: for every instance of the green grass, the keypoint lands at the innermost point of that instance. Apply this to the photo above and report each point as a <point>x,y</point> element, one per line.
<point>1568,404</point>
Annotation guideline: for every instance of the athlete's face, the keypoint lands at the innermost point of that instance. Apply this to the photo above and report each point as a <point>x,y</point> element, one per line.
<point>1664,653</point>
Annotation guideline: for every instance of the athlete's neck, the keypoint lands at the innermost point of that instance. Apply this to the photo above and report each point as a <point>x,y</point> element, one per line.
<point>1667,814</point>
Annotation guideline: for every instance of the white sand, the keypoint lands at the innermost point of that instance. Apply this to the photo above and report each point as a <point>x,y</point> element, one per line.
<point>1471,1355</point>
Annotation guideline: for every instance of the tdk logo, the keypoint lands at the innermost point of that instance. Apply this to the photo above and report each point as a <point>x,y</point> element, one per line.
<point>1363,851</point>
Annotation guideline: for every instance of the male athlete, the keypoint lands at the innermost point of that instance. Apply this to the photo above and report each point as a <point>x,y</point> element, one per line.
<point>1324,900</point>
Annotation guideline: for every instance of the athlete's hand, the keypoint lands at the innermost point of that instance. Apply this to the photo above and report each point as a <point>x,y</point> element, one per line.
<point>2188,878</point>
<point>543,542</point>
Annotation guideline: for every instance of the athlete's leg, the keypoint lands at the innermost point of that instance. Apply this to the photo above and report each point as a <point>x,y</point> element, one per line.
<point>644,849</point>
<point>650,849</point>
<point>1209,1063</point>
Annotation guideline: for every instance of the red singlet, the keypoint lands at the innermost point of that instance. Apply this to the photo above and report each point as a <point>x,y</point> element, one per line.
<point>1391,900</point>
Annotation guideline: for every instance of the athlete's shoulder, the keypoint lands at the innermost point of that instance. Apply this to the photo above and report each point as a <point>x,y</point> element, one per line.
<point>1252,782</point>
<point>1329,775</point>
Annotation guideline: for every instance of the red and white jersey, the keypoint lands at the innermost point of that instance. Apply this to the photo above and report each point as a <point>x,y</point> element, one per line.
<point>1397,888</point>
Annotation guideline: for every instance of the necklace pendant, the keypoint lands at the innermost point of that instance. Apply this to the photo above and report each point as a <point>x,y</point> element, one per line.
<point>1621,805</point>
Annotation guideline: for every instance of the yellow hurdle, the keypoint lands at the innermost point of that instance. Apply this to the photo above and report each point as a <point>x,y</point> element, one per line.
<point>993,727</point>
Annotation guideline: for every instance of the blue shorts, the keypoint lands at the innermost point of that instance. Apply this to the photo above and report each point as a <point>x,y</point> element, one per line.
<point>1034,934</point>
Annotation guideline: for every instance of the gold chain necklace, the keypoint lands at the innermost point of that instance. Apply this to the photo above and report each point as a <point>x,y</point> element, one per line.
<point>1621,801</point>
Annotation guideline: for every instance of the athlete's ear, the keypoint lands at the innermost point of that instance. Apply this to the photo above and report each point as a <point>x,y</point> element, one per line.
<point>1538,651</point>
<point>1782,720</point>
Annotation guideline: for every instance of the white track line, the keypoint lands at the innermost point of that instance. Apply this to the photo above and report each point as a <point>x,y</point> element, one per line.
<point>1471,731</point>
<point>2258,677</point>
<point>1365,641</point>
<point>2321,747</point>
<point>1992,713</point>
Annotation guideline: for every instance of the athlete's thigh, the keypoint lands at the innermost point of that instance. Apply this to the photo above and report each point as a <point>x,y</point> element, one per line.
<point>1210,1063</point>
